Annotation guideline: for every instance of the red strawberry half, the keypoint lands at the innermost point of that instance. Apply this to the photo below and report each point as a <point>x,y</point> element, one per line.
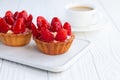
<point>4,27</point>
<point>19,26</point>
<point>42,22</point>
<point>46,35</point>
<point>55,24</point>
<point>61,35</point>
<point>9,13</point>
<point>29,21</point>
<point>67,26</point>
<point>23,14</point>
<point>9,19</point>
<point>34,31</point>
<point>15,16</point>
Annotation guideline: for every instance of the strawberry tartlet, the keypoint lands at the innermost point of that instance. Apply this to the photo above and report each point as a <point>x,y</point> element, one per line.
<point>52,39</point>
<point>15,28</point>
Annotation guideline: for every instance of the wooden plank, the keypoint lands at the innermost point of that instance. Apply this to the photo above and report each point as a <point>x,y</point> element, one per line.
<point>106,58</point>
<point>14,71</point>
<point>112,10</point>
<point>83,69</point>
<point>106,50</point>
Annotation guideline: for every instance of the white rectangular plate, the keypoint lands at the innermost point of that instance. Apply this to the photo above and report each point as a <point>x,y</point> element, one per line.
<point>31,56</point>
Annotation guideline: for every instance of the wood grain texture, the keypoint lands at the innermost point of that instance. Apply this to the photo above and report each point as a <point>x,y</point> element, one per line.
<point>100,62</point>
<point>112,11</point>
<point>14,71</point>
<point>83,69</point>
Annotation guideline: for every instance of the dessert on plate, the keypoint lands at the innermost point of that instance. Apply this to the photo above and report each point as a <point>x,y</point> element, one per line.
<point>52,38</point>
<point>15,28</point>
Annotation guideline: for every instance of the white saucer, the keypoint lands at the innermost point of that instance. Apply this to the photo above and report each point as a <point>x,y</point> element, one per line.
<point>93,27</point>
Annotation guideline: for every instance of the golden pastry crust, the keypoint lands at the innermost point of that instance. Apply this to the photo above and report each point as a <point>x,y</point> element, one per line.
<point>54,48</point>
<point>15,39</point>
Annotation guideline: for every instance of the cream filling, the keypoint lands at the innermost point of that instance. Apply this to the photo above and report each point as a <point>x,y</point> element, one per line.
<point>25,32</point>
<point>9,31</point>
<point>55,33</point>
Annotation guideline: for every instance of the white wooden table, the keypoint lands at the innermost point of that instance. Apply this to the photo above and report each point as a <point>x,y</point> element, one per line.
<point>100,62</point>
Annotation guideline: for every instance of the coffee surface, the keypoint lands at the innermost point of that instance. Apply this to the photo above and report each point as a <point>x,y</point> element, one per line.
<point>81,8</point>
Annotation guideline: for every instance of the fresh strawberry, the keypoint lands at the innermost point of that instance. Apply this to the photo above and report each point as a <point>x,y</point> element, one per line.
<point>61,35</point>
<point>23,14</point>
<point>55,24</point>
<point>30,17</point>
<point>42,22</point>
<point>34,31</point>
<point>46,35</point>
<point>9,13</point>
<point>15,16</point>
<point>29,21</point>
<point>4,27</point>
<point>9,19</point>
<point>67,26</point>
<point>19,26</point>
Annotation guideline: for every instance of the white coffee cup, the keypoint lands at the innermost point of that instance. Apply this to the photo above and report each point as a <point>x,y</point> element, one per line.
<point>81,16</point>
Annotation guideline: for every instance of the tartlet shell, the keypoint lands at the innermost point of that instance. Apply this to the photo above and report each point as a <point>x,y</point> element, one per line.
<point>54,48</point>
<point>15,40</point>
